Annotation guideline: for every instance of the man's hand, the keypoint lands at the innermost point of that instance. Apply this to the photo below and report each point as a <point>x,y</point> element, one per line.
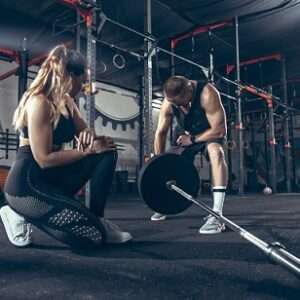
<point>184,140</point>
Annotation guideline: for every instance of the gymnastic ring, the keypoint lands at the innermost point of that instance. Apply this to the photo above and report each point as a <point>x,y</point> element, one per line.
<point>121,64</point>
<point>231,144</point>
<point>102,64</point>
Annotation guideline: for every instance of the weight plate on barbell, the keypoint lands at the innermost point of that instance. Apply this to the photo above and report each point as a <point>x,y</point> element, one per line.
<point>157,172</point>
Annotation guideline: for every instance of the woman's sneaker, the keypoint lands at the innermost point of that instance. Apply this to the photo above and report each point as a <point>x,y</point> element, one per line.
<point>158,217</point>
<point>17,229</point>
<point>114,235</point>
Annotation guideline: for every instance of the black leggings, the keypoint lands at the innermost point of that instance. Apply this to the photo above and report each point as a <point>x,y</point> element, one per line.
<point>99,168</point>
<point>45,196</point>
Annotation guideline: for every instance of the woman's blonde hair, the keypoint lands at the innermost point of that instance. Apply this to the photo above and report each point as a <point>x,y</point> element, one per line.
<point>53,80</point>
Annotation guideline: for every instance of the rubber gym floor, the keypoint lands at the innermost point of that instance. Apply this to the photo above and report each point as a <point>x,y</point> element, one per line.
<point>166,260</point>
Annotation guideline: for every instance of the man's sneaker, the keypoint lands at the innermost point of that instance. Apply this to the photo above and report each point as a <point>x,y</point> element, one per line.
<point>158,217</point>
<point>212,226</point>
<point>114,235</point>
<point>17,229</point>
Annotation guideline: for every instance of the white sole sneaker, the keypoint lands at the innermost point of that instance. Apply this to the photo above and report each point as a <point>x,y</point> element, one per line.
<point>220,229</point>
<point>212,226</point>
<point>158,217</point>
<point>114,235</point>
<point>212,231</point>
<point>17,229</point>
<point>123,237</point>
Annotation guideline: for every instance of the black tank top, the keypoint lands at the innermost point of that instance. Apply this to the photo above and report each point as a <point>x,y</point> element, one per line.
<point>195,121</point>
<point>63,133</point>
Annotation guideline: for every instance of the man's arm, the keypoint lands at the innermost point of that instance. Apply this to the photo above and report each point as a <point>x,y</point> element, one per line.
<point>164,122</point>
<point>215,113</point>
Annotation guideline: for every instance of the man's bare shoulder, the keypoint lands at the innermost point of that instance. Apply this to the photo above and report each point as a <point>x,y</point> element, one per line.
<point>210,96</point>
<point>210,89</point>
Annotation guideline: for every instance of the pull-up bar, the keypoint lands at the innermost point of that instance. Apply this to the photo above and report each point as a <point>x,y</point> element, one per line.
<point>34,61</point>
<point>277,56</point>
<point>198,30</point>
<point>11,54</point>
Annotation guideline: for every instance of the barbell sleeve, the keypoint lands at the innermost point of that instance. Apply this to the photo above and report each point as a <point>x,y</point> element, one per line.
<point>274,251</point>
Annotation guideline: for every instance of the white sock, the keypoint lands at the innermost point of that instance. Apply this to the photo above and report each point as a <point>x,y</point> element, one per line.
<point>219,193</point>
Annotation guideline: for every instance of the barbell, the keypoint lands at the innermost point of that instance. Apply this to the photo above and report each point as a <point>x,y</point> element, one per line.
<point>169,184</point>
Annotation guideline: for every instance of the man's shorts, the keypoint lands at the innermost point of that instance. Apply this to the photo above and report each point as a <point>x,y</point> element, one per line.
<point>191,151</point>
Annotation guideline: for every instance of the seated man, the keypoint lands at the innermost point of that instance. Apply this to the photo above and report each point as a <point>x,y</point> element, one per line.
<point>199,112</point>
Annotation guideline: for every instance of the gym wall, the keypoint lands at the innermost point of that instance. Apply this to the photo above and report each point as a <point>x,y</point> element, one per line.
<point>8,103</point>
<point>117,112</point>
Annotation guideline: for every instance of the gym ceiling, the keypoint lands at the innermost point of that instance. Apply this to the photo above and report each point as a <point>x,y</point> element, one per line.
<point>266,27</point>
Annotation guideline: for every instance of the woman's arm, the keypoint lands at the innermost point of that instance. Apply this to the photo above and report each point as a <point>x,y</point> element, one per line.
<point>78,119</point>
<point>84,135</point>
<point>40,136</point>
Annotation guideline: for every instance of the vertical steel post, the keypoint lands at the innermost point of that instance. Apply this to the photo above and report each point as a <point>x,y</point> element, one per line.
<point>141,122</point>
<point>78,31</point>
<point>230,125</point>
<point>211,58</point>
<point>90,98</point>
<point>286,133</point>
<point>173,70</point>
<point>272,143</point>
<point>148,122</point>
<point>172,59</point>
<point>294,95</point>
<point>239,125</point>
<point>23,69</point>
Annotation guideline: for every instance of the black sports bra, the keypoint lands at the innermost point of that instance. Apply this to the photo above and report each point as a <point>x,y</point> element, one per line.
<point>63,133</point>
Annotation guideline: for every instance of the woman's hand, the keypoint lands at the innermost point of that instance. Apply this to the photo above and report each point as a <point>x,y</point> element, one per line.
<point>90,144</point>
<point>103,144</point>
<point>85,139</point>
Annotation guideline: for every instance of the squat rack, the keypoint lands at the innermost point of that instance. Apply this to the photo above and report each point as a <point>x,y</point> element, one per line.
<point>90,9</point>
<point>150,49</point>
<point>268,97</point>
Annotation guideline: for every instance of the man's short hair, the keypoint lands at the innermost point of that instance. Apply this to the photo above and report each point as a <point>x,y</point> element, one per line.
<point>175,85</point>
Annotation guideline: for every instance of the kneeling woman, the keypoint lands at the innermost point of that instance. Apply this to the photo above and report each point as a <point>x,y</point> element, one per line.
<point>44,177</point>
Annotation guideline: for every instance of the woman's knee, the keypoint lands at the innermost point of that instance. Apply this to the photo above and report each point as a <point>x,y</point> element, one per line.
<point>109,157</point>
<point>113,156</point>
